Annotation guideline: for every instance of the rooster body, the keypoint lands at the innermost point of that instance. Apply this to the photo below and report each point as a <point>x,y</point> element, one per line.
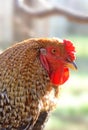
<point>26,83</point>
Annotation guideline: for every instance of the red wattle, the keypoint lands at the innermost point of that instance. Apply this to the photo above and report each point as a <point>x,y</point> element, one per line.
<point>59,77</point>
<point>65,76</point>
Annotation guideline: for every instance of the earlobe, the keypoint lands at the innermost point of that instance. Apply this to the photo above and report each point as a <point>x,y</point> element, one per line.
<point>43,51</point>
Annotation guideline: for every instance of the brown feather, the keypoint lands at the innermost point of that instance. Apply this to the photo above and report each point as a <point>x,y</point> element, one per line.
<point>24,84</point>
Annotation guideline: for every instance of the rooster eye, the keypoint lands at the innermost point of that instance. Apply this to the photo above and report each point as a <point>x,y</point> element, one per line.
<point>53,51</point>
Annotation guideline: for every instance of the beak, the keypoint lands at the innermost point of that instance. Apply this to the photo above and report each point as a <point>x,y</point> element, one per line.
<point>71,65</point>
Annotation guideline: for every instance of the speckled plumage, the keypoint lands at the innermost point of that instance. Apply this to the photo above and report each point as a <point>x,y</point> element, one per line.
<point>24,84</point>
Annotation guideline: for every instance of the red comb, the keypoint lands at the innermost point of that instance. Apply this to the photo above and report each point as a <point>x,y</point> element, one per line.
<point>70,49</point>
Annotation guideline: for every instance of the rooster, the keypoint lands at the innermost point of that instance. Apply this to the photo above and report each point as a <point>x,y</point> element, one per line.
<point>30,75</point>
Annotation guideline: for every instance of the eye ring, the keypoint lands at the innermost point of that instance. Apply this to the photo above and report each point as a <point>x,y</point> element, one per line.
<point>53,51</point>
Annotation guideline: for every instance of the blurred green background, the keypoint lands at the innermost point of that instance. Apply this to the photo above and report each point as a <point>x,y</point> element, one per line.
<point>15,26</point>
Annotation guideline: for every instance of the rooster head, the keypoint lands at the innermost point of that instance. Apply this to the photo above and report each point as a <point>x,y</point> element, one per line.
<point>57,56</point>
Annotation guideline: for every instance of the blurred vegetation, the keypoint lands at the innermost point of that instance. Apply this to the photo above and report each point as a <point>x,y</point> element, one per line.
<point>81,44</point>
